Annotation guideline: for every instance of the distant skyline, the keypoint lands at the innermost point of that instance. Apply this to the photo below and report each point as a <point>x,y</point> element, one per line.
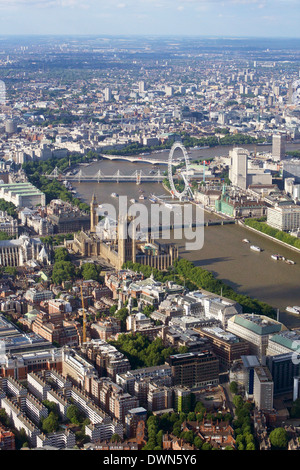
<point>231,18</point>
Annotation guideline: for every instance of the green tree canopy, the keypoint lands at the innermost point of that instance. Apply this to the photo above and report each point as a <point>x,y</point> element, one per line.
<point>63,271</point>
<point>279,438</point>
<point>51,423</point>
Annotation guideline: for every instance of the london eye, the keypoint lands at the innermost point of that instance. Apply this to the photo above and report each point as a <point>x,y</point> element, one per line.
<point>184,173</point>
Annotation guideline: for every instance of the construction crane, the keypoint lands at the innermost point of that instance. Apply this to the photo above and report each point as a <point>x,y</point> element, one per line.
<point>84,318</point>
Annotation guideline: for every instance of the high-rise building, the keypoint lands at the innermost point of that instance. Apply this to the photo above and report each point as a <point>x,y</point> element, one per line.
<point>142,87</point>
<point>169,90</point>
<point>2,92</point>
<point>278,147</point>
<point>284,370</point>
<point>107,94</point>
<point>291,169</point>
<point>239,167</point>
<point>263,390</point>
<point>10,126</point>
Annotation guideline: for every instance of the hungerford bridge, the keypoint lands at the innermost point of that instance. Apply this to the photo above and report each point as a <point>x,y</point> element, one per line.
<point>80,177</point>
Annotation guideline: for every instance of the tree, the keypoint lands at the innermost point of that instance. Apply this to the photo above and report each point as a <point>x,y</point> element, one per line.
<point>90,271</point>
<point>4,236</point>
<point>73,414</point>
<point>191,416</point>
<point>4,419</point>
<point>199,407</point>
<point>188,436</point>
<point>51,406</point>
<point>177,428</point>
<point>233,387</point>
<point>250,446</point>
<point>122,315</point>
<point>51,423</point>
<point>279,438</point>
<point>198,442</point>
<point>206,446</point>
<point>63,271</point>
<point>238,401</point>
<point>61,254</point>
<point>11,270</point>
<point>115,438</point>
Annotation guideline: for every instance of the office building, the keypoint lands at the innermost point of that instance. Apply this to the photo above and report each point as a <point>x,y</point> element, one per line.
<point>225,345</point>
<point>284,369</point>
<point>291,169</point>
<point>10,126</point>
<point>239,167</point>
<point>107,94</point>
<point>133,418</point>
<point>142,87</point>
<point>256,330</point>
<point>263,389</point>
<point>194,369</point>
<point>278,147</point>
<point>241,175</point>
<point>22,194</point>
<point>285,217</point>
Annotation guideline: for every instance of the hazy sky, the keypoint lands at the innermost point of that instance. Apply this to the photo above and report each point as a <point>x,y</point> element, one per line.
<point>266,18</point>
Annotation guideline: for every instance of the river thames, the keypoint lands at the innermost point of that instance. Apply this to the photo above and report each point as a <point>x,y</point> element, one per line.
<point>224,254</point>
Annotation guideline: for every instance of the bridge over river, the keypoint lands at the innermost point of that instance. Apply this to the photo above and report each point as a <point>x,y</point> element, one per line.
<point>137,177</point>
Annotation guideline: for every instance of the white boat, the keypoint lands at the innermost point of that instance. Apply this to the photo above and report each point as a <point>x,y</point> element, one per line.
<point>278,257</point>
<point>294,309</point>
<point>290,261</point>
<point>114,195</point>
<point>142,196</point>
<point>132,201</point>
<point>245,240</point>
<point>255,248</point>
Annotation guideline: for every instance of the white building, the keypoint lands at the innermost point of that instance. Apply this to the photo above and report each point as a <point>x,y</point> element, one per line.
<point>239,167</point>
<point>284,218</point>
<point>22,194</point>
<point>263,389</point>
<point>278,147</point>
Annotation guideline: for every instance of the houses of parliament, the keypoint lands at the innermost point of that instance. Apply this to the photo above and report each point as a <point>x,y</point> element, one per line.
<point>118,247</point>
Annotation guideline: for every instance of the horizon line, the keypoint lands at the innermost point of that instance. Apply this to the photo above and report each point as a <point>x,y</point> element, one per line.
<point>166,35</point>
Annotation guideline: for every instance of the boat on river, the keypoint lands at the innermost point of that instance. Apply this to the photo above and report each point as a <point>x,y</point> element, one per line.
<point>278,257</point>
<point>255,248</point>
<point>294,309</point>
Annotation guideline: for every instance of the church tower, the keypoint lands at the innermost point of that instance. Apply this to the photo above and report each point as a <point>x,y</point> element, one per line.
<point>94,215</point>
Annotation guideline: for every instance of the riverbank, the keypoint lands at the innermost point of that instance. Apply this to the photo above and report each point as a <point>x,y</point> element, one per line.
<point>287,245</point>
